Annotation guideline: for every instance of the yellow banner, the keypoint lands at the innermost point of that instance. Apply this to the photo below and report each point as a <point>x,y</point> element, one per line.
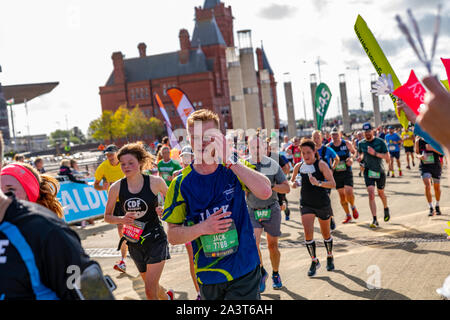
<point>379,61</point>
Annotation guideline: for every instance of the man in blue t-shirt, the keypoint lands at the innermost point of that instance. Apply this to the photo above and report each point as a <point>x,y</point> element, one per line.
<point>394,141</point>
<point>206,205</point>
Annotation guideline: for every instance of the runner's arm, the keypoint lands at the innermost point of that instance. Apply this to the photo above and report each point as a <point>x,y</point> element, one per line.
<point>256,182</point>
<point>328,175</point>
<point>113,194</point>
<point>215,223</point>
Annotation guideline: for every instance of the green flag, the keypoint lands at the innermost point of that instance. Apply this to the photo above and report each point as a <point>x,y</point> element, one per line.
<point>322,101</point>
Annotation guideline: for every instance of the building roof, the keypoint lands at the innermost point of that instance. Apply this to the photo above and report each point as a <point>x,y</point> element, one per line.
<point>20,92</point>
<point>210,4</point>
<point>266,65</point>
<point>206,33</point>
<point>163,66</point>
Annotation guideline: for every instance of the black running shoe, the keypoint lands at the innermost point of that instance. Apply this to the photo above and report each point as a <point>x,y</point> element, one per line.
<point>431,212</point>
<point>438,210</point>
<point>387,216</point>
<point>315,264</point>
<point>332,224</point>
<point>330,264</point>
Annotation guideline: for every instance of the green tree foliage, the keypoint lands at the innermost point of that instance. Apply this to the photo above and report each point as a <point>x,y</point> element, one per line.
<point>131,125</point>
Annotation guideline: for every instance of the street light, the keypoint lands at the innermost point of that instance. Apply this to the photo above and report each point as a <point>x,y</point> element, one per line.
<point>359,80</point>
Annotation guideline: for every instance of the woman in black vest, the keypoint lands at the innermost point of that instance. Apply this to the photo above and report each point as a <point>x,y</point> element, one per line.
<point>142,229</point>
<point>316,178</point>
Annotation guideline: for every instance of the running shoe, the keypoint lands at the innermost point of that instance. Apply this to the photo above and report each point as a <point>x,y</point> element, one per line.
<point>431,212</point>
<point>400,173</point>
<point>389,174</point>
<point>408,167</point>
<point>359,174</point>
<point>315,264</point>
<point>374,225</point>
<point>332,224</point>
<point>355,213</point>
<point>121,266</point>
<point>438,210</point>
<point>347,219</point>
<point>287,213</point>
<point>199,297</point>
<point>170,293</point>
<point>262,284</point>
<point>277,281</point>
<point>330,264</point>
<point>387,216</point>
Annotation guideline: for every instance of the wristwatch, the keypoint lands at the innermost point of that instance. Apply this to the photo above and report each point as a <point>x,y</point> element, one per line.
<point>233,159</point>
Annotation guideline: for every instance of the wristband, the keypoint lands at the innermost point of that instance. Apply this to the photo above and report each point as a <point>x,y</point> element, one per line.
<point>233,159</point>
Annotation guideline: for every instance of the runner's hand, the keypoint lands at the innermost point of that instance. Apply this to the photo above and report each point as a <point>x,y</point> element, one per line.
<point>216,224</point>
<point>159,211</point>
<point>105,185</point>
<point>371,151</point>
<point>349,162</point>
<point>129,218</point>
<point>313,180</point>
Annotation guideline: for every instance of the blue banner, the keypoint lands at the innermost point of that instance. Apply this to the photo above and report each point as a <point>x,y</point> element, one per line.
<point>81,201</point>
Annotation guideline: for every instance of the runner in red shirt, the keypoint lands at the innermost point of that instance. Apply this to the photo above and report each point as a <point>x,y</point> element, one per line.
<point>295,150</point>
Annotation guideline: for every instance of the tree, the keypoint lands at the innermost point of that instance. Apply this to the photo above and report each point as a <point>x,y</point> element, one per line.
<point>136,123</point>
<point>102,128</point>
<point>59,136</point>
<point>154,127</point>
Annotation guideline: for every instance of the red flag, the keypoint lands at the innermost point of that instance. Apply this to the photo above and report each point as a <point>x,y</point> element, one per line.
<point>446,63</point>
<point>412,93</point>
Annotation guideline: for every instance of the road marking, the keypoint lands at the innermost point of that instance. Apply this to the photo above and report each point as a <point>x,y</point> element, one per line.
<point>367,241</point>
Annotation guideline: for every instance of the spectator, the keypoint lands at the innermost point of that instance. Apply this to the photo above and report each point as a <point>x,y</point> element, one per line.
<point>19,158</point>
<point>65,170</point>
<point>39,165</point>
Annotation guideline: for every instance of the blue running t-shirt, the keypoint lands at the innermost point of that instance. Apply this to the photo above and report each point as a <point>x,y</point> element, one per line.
<point>390,139</point>
<point>192,198</point>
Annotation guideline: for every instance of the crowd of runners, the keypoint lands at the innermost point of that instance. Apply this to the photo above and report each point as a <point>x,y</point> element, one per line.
<point>217,198</point>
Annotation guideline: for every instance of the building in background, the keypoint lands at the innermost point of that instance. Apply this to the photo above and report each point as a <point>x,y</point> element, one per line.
<point>207,67</point>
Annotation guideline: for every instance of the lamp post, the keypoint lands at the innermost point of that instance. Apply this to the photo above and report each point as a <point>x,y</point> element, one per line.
<point>359,81</point>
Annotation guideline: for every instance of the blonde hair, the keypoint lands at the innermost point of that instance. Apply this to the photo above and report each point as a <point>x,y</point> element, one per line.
<point>65,162</point>
<point>203,115</point>
<point>48,190</point>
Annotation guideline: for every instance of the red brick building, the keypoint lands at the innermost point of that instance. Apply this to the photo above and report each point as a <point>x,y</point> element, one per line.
<point>199,68</point>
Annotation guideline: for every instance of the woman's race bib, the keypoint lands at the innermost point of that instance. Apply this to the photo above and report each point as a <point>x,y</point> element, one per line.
<point>374,174</point>
<point>220,244</point>
<point>342,166</point>
<point>429,158</point>
<point>133,232</point>
<point>263,214</point>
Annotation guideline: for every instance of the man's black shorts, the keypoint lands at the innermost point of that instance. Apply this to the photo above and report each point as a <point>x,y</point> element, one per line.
<point>344,178</point>
<point>380,183</point>
<point>243,288</point>
<point>409,149</point>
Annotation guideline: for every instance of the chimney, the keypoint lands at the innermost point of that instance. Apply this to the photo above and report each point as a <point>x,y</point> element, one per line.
<point>119,69</point>
<point>142,49</point>
<point>185,46</point>
<point>260,59</point>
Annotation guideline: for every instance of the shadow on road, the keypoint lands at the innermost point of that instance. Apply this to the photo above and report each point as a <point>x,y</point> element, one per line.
<point>293,295</point>
<point>93,231</point>
<point>371,294</point>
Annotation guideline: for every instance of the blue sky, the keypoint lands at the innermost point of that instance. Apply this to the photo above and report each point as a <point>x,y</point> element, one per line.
<point>72,42</point>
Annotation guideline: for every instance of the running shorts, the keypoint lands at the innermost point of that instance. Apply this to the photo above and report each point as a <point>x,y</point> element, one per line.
<point>380,183</point>
<point>434,172</point>
<point>395,154</point>
<point>321,213</point>
<point>343,179</point>
<point>409,149</point>
<point>271,226</point>
<point>242,288</point>
<point>151,251</point>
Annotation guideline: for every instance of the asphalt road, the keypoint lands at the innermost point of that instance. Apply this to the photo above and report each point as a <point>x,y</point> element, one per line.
<point>406,258</point>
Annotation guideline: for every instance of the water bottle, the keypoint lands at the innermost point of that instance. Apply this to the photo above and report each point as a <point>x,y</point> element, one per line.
<point>298,180</point>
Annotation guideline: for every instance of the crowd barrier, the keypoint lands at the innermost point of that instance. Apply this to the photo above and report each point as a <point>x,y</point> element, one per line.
<point>81,201</point>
